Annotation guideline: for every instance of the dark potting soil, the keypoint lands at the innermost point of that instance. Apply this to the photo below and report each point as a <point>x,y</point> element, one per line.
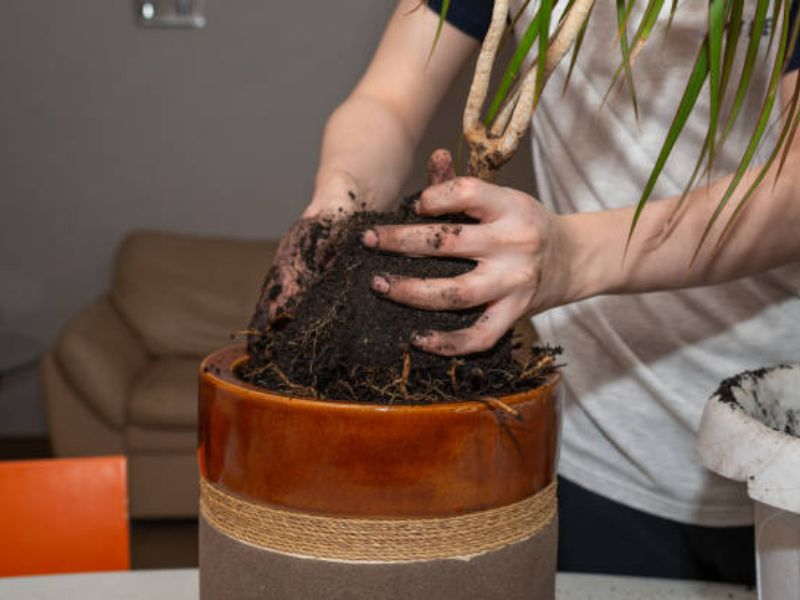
<point>789,417</point>
<point>343,341</point>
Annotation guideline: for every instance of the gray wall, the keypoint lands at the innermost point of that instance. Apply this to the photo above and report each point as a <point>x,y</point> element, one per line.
<point>106,127</point>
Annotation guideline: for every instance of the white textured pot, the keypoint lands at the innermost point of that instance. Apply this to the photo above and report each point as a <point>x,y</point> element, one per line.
<point>749,433</point>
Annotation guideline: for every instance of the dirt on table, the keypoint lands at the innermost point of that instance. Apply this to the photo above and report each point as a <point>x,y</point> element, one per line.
<point>343,341</point>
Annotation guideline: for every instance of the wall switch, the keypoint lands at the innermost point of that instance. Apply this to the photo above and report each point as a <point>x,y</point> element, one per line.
<point>171,13</point>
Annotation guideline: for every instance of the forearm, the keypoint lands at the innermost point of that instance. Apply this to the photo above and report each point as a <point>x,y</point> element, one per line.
<point>367,152</point>
<point>370,140</point>
<point>659,257</point>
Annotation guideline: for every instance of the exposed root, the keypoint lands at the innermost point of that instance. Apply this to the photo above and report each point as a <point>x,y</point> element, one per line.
<point>490,150</point>
<point>406,373</point>
<point>452,373</point>
<point>498,404</point>
<point>294,387</point>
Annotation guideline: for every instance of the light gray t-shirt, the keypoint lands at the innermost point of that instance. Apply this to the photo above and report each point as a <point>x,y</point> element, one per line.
<point>641,367</point>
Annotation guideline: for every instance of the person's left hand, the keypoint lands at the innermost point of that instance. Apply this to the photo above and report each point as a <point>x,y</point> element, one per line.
<point>521,253</point>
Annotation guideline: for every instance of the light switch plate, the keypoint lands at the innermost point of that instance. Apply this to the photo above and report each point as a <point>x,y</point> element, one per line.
<point>171,13</point>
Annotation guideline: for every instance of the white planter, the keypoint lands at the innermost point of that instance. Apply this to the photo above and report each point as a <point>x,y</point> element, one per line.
<point>749,433</point>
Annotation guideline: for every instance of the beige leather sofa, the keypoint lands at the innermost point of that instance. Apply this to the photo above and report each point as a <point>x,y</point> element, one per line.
<point>122,377</point>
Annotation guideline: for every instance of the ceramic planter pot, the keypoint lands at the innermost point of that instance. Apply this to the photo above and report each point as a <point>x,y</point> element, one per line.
<point>306,499</point>
<point>750,432</point>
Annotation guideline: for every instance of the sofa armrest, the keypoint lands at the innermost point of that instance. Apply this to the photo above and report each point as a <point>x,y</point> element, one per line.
<point>101,357</point>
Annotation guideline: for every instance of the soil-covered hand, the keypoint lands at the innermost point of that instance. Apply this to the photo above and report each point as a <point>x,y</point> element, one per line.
<point>307,249</point>
<point>521,254</point>
<point>304,252</point>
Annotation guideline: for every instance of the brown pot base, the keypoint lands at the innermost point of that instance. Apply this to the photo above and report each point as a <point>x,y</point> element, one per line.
<point>232,570</point>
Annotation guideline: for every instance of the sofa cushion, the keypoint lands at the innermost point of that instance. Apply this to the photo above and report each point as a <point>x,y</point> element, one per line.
<point>101,358</point>
<point>165,394</point>
<point>185,295</point>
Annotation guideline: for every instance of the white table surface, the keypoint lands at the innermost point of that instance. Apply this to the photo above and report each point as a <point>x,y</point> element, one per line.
<point>182,584</point>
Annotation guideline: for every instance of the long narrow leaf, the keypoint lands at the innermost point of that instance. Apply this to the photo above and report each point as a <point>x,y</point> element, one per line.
<point>442,16</point>
<point>776,9</point>
<point>690,94</point>
<point>626,57</point>
<point>512,71</point>
<point>761,126</point>
<point>747,68</point>
<point>546,9</point>
<point>565,12</point>
<point>734,30</point>
<point>790,47</point>
<point>577,48</point>
<point>716,19</point>
<point>671,16</point>
<point>783,144</point>
<point>510,29</point>
<point>637,42</point>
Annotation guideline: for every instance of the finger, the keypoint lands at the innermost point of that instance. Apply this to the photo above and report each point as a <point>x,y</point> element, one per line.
<point>498,318</point>
<point>445,239</point>
<point>476,198</point>
<point>440,167</point>
<point>455,293</point>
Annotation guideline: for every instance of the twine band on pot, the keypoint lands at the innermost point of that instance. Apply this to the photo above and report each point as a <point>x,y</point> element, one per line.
<point>384,540</point>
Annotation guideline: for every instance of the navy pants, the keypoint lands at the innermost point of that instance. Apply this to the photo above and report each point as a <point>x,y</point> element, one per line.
<point>597,535</point>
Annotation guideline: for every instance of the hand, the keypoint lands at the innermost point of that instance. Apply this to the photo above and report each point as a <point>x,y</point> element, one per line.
<point>305,251</point>
<point>521,253</point>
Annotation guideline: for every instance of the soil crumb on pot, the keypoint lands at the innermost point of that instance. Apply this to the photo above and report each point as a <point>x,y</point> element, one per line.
<point>343,341</point>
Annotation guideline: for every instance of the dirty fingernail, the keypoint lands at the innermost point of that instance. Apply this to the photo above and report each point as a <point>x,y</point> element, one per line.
<point>418,338</point>
<point>369,238</point>
<point>380,284</point>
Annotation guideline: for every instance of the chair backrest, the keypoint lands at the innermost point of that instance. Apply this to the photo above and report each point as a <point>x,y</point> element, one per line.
<point>63,515</point>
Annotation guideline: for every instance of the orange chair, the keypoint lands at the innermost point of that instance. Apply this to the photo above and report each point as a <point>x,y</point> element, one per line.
<point>63,515</point>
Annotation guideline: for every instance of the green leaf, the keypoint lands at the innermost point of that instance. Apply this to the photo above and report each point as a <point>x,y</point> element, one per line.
<point>649,19</point>
<point>791,130</point>
<point>793,36</point>
<point>776,9</point>
<point>442,16</point>
<point>626,57</point>
<point>716,21</point>
<point>747,68</point>
<point>731,41</point>
<point>577,48</point>
<point>510,29</point>
<point>671,15</point>
<point>758,132</point>
<point>690,94</point>
<point>731,44</point>
<point>784,143</point>
<point>511,72</point>
<point>565,12</point>
<point>546,9</point>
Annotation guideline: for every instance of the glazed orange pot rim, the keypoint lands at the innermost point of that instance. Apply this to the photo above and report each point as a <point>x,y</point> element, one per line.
<point>228,359</point>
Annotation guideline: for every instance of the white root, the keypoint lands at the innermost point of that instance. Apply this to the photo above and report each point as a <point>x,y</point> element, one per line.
<point>483,67</point>
<point>488,152</point>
